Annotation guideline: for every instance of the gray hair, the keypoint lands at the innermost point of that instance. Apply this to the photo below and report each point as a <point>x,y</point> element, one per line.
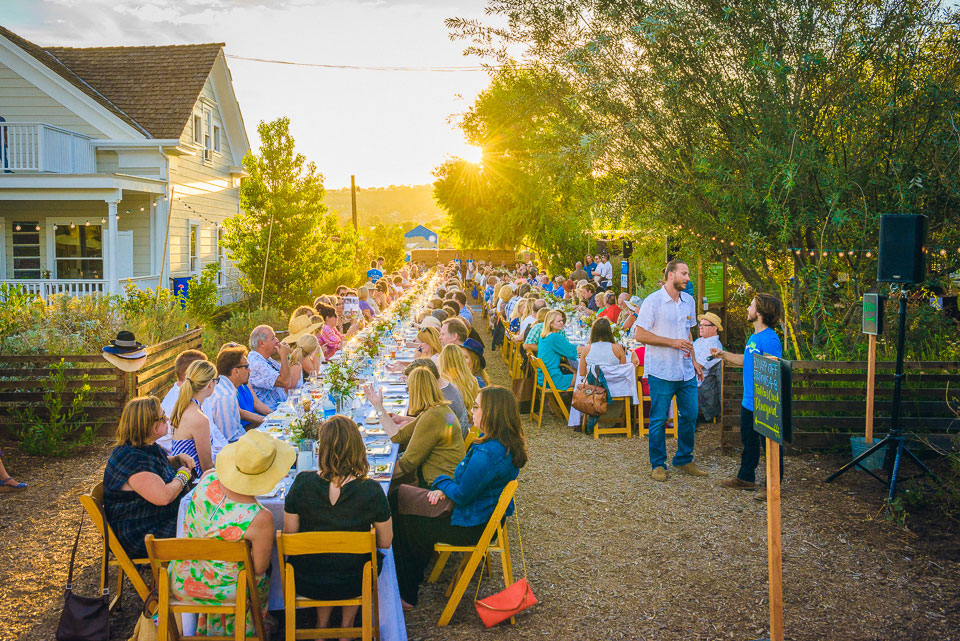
<point>539,304</point>
<point>259,334</point>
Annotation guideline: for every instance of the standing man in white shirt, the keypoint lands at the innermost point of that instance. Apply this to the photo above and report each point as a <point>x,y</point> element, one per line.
<point>663,326</point>
<point>604,273</point>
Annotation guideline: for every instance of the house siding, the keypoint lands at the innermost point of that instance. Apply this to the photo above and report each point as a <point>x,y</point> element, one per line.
<point>203,193</point>
<point>22,101</point>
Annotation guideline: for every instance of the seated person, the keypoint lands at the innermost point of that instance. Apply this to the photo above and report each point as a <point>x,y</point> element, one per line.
<point>474,488</point>
<point>366,304</point>
<point>433,440</point>
<point>330,337</point>
<point>553,348</point>
<point>7,482</point>
<point>611,310</point>
<point>473,350</point>
<point>601,350</point>
<point>224,507</point>
<point>271,378</point>
<point>307,355</point>
<point>338,497</point>
<point>223,405</point>
<point>532,339</point>
<point>217,439</point>
<point>454,367</point>
<point>191,427</point>
<point>142,486</point>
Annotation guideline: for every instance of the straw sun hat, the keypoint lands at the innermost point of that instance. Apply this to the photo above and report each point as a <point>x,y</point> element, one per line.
<point>254,464</point>
<point>713,318</point>
<point>299,326</point>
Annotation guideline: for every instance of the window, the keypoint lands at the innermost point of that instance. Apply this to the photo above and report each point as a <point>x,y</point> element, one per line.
<point>208,137</point>
<point>79,251</point>
<point>26,248</point>
<point>197,129</point>
<point>216,138</point>
<point>194,248</point>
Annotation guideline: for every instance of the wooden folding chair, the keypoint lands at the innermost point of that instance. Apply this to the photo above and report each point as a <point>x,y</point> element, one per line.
<point>471,437</point>
<point>621,424</point>
<point>643,421</point>
<point>544,387</point>
<point>330,543</point>
<point>162,551</point>
<point>92,503</point>
<point>475,555</point>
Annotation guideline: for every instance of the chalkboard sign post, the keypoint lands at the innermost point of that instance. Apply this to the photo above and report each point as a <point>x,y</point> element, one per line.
<point>772,392</point>
<point>872,327</point>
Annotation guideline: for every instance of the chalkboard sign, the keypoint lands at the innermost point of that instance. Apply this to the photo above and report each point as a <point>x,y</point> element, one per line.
<point>772,383</point>
<point>873,314</point>
<point>713,283</point>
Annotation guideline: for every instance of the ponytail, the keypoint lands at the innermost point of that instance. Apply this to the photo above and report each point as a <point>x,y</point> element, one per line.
<point>198,375</point>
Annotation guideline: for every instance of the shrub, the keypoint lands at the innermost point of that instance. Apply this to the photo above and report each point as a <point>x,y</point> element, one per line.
<point>204,294</point>
<point>237,328</point>
<point>64,431</point>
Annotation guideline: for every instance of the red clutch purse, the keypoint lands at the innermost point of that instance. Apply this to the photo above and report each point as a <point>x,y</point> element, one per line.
<point>499,607</point>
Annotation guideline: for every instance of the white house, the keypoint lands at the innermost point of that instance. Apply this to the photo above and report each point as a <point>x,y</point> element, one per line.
<point>117,165</point>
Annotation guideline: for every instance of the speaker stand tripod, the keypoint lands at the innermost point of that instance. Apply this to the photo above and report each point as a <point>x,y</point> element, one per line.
<point>895,441</point>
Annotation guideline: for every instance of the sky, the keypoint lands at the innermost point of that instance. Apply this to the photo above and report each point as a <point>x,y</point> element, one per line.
<point>386,127</point>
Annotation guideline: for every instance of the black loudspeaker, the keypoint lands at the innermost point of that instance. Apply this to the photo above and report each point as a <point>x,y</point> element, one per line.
<point>900,255</point>
<point>627,248</point>
<point>601,247</point>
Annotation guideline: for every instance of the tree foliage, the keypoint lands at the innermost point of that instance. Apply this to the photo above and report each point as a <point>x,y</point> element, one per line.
<point>283,187</point>
<point>775,132</point>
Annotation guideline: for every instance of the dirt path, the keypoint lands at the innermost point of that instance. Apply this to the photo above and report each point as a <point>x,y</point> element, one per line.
<point>610,553</point>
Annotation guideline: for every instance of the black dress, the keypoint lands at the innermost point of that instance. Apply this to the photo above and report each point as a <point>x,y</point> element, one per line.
<point>362,503</point>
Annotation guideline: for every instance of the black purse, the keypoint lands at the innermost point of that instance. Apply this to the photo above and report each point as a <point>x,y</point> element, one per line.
<point>86,618</point>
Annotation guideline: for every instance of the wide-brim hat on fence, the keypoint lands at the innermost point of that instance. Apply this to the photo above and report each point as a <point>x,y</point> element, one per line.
<point>300,326</point>
<point>254,463</point>
<point>713,318</point>
<point>476,347</point>
<point>125,353</point>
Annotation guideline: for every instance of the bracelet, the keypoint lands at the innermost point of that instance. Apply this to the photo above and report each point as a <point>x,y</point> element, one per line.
<point>183,475</point>
<point>181,480</point>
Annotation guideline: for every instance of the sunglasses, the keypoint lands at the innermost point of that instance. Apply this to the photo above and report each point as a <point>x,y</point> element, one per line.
<point>244,366</point>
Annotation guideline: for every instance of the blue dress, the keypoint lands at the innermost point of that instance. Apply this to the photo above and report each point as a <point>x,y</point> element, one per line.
<point>551,350</point>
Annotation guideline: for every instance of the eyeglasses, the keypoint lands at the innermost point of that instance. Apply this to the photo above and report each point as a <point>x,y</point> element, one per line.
<point>707,325</point>
<point>215,380</point>
<point>244,366</point>
<point>162,418</point>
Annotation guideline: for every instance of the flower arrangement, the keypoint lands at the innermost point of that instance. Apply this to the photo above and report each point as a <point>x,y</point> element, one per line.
<point>341,376</point>
<point>370,344</point>
<point>306,428</point>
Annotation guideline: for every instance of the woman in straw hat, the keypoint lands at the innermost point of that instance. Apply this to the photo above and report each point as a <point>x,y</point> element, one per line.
<point>224,507</point>
<point>338,497</point>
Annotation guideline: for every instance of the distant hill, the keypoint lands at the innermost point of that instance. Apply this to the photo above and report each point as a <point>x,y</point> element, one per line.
<point>407,205</point>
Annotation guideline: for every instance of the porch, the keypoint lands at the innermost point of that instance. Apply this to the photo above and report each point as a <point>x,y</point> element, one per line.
<point>43,148</point>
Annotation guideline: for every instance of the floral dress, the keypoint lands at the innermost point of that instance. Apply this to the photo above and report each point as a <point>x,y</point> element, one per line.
<point>212,515</point>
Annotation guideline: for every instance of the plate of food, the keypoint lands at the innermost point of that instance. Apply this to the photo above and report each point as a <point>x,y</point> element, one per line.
<point>380,471</point>
<point>378,448</point>
<point>372,430</point>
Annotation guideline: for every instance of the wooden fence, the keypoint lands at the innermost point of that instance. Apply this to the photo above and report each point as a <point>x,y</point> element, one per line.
<point>433,256</point>
<point>829,401</point>
<point>25,379</point>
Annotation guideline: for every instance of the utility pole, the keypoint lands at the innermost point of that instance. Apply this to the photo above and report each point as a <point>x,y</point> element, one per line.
<point>353,208</point>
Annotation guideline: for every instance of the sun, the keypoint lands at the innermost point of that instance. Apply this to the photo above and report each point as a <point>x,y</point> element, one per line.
<point>472,154</point>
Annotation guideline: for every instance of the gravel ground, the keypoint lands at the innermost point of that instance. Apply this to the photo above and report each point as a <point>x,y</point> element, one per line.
<point>610,553</point>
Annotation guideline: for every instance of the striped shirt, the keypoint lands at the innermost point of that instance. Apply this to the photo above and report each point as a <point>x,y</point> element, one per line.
<point>223,408</point>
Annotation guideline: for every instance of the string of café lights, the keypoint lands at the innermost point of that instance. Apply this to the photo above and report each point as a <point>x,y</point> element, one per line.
<point>103,220</point>
<point>798,251</point>
<point>431,69</point>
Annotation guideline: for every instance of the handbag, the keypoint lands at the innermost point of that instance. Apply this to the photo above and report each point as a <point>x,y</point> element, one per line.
<point>499,607</point>
<point>86,618</point>
<point>590,398</point>
<point>412,499</point>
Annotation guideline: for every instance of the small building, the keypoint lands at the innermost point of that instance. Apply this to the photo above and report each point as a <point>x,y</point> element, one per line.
<point>420,237</point>
<point>117,165</point>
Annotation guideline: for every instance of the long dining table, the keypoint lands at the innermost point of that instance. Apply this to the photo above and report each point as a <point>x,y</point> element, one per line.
<point>382,455</point>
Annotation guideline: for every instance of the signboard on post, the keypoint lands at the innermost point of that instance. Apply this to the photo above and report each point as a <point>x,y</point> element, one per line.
<point>772,382</point>
<point>713,283</point>
<point>872,314</point>
<point>624,273</point>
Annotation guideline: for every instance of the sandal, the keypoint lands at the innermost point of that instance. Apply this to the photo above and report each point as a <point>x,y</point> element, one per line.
<point>10,484</point>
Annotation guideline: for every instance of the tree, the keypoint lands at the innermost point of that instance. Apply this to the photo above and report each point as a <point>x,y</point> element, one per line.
<point>769,133</point>
<point>283,187</point>
<point>383,240</point>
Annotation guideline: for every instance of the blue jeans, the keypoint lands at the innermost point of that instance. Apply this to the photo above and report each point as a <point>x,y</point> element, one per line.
<point>661,393</point>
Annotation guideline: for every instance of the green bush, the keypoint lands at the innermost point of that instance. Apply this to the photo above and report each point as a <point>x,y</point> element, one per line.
<point>65,430</point>
<point>238,326</point>
<point>204,294</point>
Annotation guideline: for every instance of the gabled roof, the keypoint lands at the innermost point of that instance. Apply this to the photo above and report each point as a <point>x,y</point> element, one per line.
<point>420,231</point>
<point>152,89</point>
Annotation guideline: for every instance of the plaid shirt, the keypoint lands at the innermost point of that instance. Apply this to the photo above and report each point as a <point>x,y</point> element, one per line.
<point>130,515</point>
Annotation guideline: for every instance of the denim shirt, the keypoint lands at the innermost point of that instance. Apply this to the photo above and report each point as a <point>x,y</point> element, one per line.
<point>477,483</point>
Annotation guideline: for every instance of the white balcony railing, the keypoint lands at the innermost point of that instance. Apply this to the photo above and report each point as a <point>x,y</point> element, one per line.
<point>47,288</point>
<point>37,147</point>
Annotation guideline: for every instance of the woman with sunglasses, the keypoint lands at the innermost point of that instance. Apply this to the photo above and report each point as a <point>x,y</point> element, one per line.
<point>142,486</point>
<point>492,461</point>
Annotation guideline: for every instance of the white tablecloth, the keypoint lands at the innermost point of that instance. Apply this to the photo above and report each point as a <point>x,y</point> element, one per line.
<point>622,381</point>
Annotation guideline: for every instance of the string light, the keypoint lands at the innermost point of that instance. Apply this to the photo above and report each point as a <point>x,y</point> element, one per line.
<point>72,226</point>
<point>18,227</point>
<point>87,224</point>
<point>37,228</point>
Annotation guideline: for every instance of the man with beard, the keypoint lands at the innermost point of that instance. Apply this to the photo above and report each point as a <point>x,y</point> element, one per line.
<point>663,326</point>
<point>764,312</point>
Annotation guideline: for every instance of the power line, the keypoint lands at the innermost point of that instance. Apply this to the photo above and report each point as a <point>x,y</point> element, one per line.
<point>365,68</point>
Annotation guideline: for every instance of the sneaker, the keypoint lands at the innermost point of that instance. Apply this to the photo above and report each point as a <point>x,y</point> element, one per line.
<point>691,469</point>
<point>659,474</point>
<point>736,483</point>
